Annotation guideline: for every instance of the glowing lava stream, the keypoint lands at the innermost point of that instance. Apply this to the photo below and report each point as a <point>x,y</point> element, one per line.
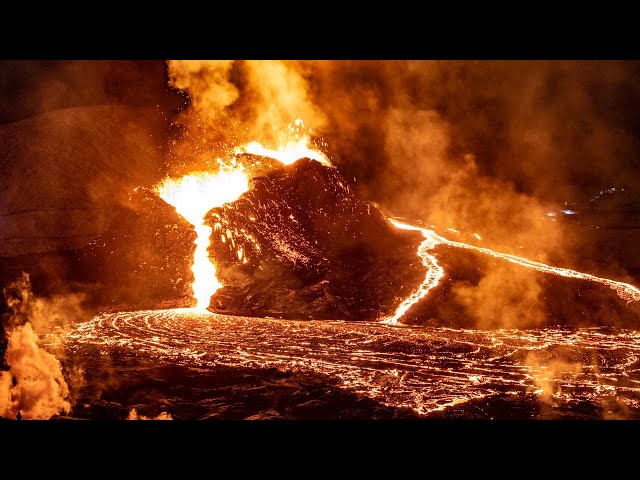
<point>435,271</point>
<point>193,196</point>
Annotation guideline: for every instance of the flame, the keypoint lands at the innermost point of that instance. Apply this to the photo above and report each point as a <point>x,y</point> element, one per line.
<point>435,272</point>
<point>193,196</point>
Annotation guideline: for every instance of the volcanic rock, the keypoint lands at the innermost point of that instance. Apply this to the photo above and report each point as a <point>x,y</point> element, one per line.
<point>300,244</point>
<point>143,259</point>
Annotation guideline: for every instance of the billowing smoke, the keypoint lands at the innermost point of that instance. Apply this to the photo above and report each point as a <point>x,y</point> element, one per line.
<point>33,382</point>
<point>209,85</point>
<point>504,298</point>
<point>550,371</point>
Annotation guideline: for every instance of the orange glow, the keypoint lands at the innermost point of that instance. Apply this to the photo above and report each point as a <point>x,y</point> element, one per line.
<point>193,196</point>
<point>624,290</point>
<point>435,272</point>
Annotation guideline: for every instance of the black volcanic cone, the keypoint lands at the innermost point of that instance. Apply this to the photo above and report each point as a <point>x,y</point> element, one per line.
<point>142,260</point>
<point>300,244</point>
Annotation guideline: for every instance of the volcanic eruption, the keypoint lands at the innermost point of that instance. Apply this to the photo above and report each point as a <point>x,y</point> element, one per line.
<point>299,249</point>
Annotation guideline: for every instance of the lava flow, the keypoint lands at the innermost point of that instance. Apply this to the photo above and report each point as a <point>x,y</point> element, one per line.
<point>435,272</point>
<point>193,196</point>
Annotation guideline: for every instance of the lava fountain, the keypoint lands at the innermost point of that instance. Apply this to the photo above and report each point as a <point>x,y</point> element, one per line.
<point>294,147</point>
<point>193,196</point>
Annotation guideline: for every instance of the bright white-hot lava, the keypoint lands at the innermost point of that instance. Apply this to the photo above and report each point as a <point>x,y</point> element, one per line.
<point>289,153</point>
<point>293,148</point>
<point>193,196</point>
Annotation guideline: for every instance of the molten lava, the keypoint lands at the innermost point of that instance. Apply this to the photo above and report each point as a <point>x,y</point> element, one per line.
<point>193,196</point>
<point>289,153</point>
<point>435,272</point>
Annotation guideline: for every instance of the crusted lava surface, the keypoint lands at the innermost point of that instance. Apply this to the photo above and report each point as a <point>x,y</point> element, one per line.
<point>142,260</point>
<point>300,244</point>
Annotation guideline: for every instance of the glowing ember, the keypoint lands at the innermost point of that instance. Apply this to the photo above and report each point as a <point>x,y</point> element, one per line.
<point>193,196</point>
<point>435,271</point>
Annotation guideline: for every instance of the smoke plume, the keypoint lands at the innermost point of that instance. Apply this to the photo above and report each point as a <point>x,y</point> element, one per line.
<point>235,102</point>
<point>33,382</point>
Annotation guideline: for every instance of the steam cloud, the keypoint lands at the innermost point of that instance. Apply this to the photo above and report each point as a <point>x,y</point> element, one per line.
<point>34,383</point>
<point>235,102</point>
